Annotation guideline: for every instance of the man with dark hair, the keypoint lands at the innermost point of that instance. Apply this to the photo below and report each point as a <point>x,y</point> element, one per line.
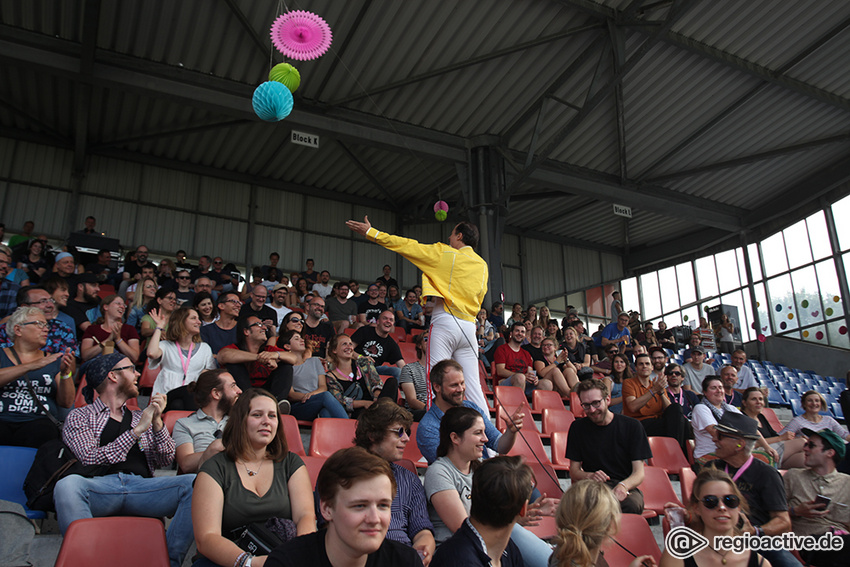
<point>617,333</point>
<point>818,496</point>
<point>342,312</point>
<point>496,318</point>
<point>223,331</point>
<point>86,297</point>
<point>316,333</point>
<point>457,278</point>
<point>274,258</point>
<point>309,274</point>
<point>89,225</point>
<point>501,488</point>
<point>356,295</point>
<point>386,278</point>
<point>133,270</point>
<point>409,312</point>
<point>514,364</point>
<point>384,430</point>
<point>369,309</point>
<point>448,384</point>
<point>356,490</point>
<point>198,436</point>
<point>220,275</point>
<point>322,288</point>
<point>616,304</point>
<point>101,266</point>
<point>608,447</point>
<point>645,399</point>
<point>59,335</point>
<point>377,343</point>
<point>180,261</point>
<point>130,446</point>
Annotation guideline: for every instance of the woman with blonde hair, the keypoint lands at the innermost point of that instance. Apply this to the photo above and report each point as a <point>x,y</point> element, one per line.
<point>587,516</point>
<point>145,292</point>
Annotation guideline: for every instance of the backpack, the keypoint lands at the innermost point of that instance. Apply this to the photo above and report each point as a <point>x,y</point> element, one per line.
<point>53,461</point>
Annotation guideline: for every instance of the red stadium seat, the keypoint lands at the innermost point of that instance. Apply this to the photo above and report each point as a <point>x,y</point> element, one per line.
<point>408,464</point>
<point>408,352</point>
<point>293,434</point>
<point>411,450</point>
<point>557,420</point>
<point>772,419</point>
<point>657,490</point>
<point>330,435</point>
<point>686,483</point>
<point>314,465</point>
<point>634,535</point>
<point>149,375</point>
<point>542,399</point>
<point>94,541</point>
<point>558,447</point>
<point>575,406</point>
<point>531,448</point>
<point>169,418</point>
<point>349,331</point>
<point>667,454</point>
<point>399,334</point>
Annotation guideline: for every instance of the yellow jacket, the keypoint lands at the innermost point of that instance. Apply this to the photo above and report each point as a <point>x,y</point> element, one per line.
<point>458,276</point>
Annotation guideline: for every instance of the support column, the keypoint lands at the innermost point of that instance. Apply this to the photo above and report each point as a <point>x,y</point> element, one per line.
<point>486,173</point>
<point>752,289</point>
<point>836,257</point>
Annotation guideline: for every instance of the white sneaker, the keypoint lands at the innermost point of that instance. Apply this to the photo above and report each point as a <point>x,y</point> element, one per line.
<point>284,407</point>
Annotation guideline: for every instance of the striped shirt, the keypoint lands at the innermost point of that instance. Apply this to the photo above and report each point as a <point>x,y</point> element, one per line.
<point>409,508</point>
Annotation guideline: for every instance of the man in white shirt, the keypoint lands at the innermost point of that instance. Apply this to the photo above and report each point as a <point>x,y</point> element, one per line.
<point>323,288</point>
<point>278,297</point>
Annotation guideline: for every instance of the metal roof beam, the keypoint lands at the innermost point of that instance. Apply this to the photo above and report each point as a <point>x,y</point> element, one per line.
<point>565,240</point>
<point>115,70</point>
<point>338,53</point>
<point>202,126</point>
<point>34,121</point>
<point>256,39</point>
<point>467,63</point>
<point>679,247</point>
<point>358,162</point>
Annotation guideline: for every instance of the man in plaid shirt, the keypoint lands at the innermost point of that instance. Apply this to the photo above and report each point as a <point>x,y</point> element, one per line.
<point>129,446</point>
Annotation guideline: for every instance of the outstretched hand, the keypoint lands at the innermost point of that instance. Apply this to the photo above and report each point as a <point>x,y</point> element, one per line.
<point>360,228</point>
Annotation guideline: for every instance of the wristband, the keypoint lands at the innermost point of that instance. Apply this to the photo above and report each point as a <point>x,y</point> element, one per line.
<point>160,329</point>
<point>66,376</point>
<point>624,487</point>
<point>758,532</point>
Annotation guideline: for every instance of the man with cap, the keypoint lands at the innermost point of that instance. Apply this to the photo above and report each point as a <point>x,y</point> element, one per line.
<point>129,446</point>
<point>278,304</point>
<point>806,489</point>
<point>760,483</point>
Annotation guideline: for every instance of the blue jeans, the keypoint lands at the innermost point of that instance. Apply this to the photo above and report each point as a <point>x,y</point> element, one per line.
<point>318,405</point>
<point>78,497</point>
<point>535,551</point>
<point>393,371</point>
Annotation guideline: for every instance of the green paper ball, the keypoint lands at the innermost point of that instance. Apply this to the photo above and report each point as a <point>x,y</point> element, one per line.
<point>441,215</point>
<point>287,75</point>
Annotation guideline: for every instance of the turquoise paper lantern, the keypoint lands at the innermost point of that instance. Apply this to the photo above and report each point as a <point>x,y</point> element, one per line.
<point>272,101</point>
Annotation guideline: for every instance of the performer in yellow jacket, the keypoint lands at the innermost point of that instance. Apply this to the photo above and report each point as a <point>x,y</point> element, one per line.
<point>457,277</point>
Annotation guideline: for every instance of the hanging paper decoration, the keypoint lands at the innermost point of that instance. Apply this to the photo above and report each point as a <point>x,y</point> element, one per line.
<point>287,75</point>
<point>301,35</point>
<point>272,101</point>
<point>441,210</point>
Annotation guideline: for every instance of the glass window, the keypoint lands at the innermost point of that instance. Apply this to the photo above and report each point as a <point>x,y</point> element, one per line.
<point>829,290</point>
<point>673,319</point>
<point>816,334</point>
<point>577,301</point>
<point>773,253</point>
<point>706,277</point>
<point>651,296</point>
<point>742,266</point>
<point>739,321</point>
<point>755,266</point>
<point>841,211</point>
<point>685,277</point>
<point>762,307</point>
<point>797,245</point>
<point>837,333</point>
<point>807,298</point>
<point>668,286</point>
<point>819,235</point>
<point>781,296</point>
<point>690,316</point>
<point>727,271</point>
<point>629,294</point>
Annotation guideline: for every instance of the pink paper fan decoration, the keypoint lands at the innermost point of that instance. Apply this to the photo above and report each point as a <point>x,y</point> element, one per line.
<point>301,35</point>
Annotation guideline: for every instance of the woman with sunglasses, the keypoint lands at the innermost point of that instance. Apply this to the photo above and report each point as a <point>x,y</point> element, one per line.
<point>716,509</point>
<point>587,516</point>
<point>788,445</point>
<point>206,307</point>
<point>448,484</point>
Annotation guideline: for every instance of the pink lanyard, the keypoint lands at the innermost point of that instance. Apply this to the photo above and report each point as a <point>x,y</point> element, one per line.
<point>188,361</point>
<point>681,396</point>
<point>740,470</point>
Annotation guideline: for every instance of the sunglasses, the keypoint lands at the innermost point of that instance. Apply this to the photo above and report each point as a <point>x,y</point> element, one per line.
<point>120,368</point>
<point>674,373</point>
<point>401,431</point>
<point>711,501</point>
<point>295,320</point>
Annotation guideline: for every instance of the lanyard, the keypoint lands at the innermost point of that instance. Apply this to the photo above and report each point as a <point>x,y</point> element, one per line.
<point>185,364</point>
<point>681,396</point>
<point>740,470</point>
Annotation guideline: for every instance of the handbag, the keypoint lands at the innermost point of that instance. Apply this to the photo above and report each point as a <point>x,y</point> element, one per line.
<point>260,538</point>
<point>53,461</point>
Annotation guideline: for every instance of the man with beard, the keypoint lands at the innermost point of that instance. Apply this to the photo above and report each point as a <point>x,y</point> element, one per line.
<point>198,436</point>
<point>130,446</point>
<point>316,333</point>
<point>608,447</point>
<point>323,288</point>
<point>133,270</point>
<point>659,361</point>
<point>86,297</point>
<point>645,400</point>
<point>377,343</point>
<point>729,377</point>
<point>369,309</point>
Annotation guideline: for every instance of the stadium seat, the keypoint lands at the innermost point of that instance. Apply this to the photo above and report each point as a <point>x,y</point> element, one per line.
<point>408,352</point>
<point>636,537</point>
<point>557,420</point>
<point>836,409</point>
<point>408,464</point>
<point>105,290</point>
<point>169,418</point>
<point>687,476</point>
<point>148,376</point>
<point>411,450</point>
<point>771,418</point>
<point>796,407</point>
<point>542,399</point>
<point>331,434</point>
<point>399,334</point>
<point>657,489</point>
<point>531,448</point>
<point>97,541</point>
<point>575,406</point>
<point>314,465</point>
<point>558,448</point>
<point>15,463</point>
<point>666,455</point>
<point>482,379</point>
<point>545,529</point>
<point>293,434</point>
<point>414,332</point>
<point>350,331</point>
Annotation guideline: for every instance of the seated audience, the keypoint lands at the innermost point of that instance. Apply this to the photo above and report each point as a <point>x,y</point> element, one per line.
<point>608,447</point>
<point>378,344</point>
<point>147,295</point>
<point>109,332</point>
<point>316,331</point>
<point>665,336</point>
<point>309,394</point>
<point>685,399</point>
<point>197,438</point>
<point>148,272</point>
<point>413,381</point>
<point>58,290</point>
<point>616,333</point>
<point>448,482</point>
<point>342,311</point>
<point>355,491</point>
<point>729,376</point>
<point>222,332</point>
<point>183,290</point>
<point>621,371</point>
<point>33,262</point>
<point>206,308</point>
<point>587,516</point>
<point>409,312</point>
<point>60,336</point>
<point>47,384</point>
<point>645,400</point>
<point>788,445</point>
<point>556,368</point>
<point>501,488</point>
<point>86,297</point>
<point>254,479</point>
<point>814,403</point>
<point>514,364</point>
<point>257,307</point>
<point>696,370</point>
<point>279,293</point>
<point>165,302</point>
<point>383,429</point>
<point>130,446</point>
<point>717,509</point>
<point>746,378</point>
<point>578,353</point>
<point>323,288</point>
<point>352,379</point>
<point>369,310</point>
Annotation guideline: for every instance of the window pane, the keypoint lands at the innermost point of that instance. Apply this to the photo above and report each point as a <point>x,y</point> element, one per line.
<point>672,319</point>
<point>755,266</point>
<point>577,301</point>
<point>706,277</point>
<point>687,290</point>
<point>669,297</point>
<point>651,298</point>
<point>837,334</point>
<point>818,235</point>
<point>748,332</point>
<point>739,321</point>
<point>806,296</point>
<point>742,267</point>
<point>763,309</point>
<point>727,271</point>
<point>797,245</point>
<point>782,304</point>
<point>830,292</point>
<point>629,294</point>
<point>690,316</point>
<point>841,211</point>
<point>816,334</point>
<point>773,253</point>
